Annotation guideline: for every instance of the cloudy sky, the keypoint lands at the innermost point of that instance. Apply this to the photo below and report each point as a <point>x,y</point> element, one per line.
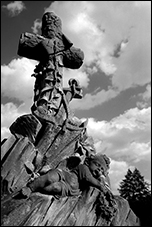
<point>115,37</point>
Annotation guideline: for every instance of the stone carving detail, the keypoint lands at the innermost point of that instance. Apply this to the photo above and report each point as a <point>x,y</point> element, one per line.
<point>54,51</point>
<point>27,126</point>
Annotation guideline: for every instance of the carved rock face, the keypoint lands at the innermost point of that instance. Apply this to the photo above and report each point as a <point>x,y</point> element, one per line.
<point>51,24</point>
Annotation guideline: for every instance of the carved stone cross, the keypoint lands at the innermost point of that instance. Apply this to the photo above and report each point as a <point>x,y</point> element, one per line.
<point>54,51</point>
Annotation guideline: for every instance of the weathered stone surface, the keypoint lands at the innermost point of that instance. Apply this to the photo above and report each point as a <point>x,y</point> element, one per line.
<point>124,216</point>
<point>7,146</point>
<point>63,146</point>
<point>43,210</point>
<point>56,144</point>
<point>14,168</point>
<point>28,45</point>
<point>27,125</point>
<point>73,58</point>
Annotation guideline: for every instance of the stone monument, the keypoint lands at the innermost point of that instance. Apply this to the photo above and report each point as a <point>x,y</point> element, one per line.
<point>49,135</point>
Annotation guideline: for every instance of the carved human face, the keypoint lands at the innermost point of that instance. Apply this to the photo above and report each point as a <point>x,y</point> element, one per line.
<point>96,168</point>
<point>51,24</point>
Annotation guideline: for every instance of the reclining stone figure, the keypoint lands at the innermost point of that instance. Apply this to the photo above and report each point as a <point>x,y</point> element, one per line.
<point>70,182</point>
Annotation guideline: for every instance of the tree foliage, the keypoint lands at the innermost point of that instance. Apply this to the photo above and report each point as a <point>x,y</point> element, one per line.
<point>133,187</point>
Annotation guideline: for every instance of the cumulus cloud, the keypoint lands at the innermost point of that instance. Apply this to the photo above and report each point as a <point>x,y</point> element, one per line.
<point>14,8</point>
<point>16,80</point>
<point>126,137</point>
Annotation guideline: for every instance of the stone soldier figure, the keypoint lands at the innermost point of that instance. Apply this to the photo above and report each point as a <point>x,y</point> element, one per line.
<point>54,51</point>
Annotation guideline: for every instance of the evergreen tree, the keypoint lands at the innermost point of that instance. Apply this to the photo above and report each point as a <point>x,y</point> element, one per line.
<point>142,191</point>
<point>133,187</point>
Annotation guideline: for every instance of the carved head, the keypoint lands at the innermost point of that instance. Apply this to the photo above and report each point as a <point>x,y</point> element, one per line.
<point>98,163</point>
<point>51,24</point>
